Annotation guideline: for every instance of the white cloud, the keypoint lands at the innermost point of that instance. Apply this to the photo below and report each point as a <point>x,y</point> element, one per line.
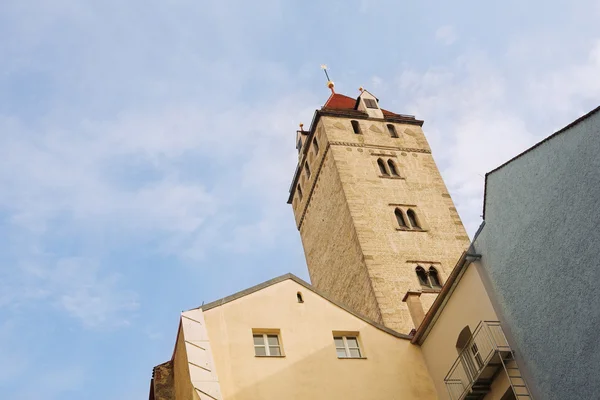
<point>446,34</point>
<point>478,115</point>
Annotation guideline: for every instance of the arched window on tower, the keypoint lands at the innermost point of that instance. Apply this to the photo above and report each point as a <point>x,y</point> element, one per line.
<point>355,127</point>
<point>434,278</point>
<point>393,169</point>
<point>299,297</point>
<point>412,218</point>
<point>392,130</point>
<point>422,275</point>
<point>382,168</point>
<point>400,218</point>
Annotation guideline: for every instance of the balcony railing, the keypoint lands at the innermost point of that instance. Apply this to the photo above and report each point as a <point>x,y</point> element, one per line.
<point>474,366</point>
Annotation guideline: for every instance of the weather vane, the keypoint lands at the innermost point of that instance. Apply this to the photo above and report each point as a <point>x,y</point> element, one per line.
<point>330,84</point>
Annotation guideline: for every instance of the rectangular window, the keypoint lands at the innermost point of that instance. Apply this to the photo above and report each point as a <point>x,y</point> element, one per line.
<point>347,347</point>
<point>370,103</point>
<point>316,146</point>
<point>307,170</point>
<point>266,345</point>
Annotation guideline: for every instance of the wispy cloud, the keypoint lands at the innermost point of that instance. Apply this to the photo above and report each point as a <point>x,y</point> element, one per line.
<point>482,115</point>
<point>446,34</point>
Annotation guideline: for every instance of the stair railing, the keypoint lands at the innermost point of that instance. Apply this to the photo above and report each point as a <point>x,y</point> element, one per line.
<point>487,338</point>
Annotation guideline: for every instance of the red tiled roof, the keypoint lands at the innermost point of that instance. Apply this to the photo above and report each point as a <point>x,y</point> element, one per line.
<point>340,102</point>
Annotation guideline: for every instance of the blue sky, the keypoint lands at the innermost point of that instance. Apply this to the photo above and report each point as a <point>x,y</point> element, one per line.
<point>146,150</point>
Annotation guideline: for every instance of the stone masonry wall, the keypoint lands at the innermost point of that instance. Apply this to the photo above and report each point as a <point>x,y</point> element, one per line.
<point>338,246</point>
<point>333,254</point>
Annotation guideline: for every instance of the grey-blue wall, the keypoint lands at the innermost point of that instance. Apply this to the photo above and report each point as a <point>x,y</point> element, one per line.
<point>540,250</point>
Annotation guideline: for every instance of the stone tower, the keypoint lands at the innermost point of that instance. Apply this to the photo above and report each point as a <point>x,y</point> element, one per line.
<point>375,217</point>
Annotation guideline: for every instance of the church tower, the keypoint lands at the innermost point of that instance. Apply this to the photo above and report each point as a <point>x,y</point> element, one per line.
<point>376,220</point>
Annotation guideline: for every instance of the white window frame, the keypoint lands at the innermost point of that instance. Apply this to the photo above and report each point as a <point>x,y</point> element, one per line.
<point>267,346</point>
<point>347,347</point>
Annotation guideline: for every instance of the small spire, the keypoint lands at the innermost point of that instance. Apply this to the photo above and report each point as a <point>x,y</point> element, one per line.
<point>330,83</point>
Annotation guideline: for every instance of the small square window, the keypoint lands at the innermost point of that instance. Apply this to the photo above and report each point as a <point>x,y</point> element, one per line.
<point>370,103</point>
<point>347,347</point>
<point>266,345</point>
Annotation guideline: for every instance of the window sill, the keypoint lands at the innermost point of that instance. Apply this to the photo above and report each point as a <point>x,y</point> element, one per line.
<point>411,230</point>
<point>352,358</point>
<point>269,356</point>
<point>431,290</point>
<point>391,177</point>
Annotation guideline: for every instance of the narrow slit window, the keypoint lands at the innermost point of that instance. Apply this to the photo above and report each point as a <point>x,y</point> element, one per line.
<point>412,218</point>
<point>299,189</point>
<point>382,168</point>
<point>299,297</point>
<point>355,127</point>
<point>316,146</point>
<point>393,169</point>
<point>266,345</point>
<point>392,130</point>
<point>434,278</point>
<point>422,275</point>
<point>307,168</point>
<point>400,218</point>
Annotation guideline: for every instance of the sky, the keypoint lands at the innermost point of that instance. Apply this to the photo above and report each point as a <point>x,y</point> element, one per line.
<point>147,148</point>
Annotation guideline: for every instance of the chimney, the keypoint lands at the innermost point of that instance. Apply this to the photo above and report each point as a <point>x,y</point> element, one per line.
<point>415,308</point>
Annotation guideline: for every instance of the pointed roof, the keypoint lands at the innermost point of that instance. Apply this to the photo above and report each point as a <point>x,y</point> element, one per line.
<point>341,102</point>
<point>264,285</point>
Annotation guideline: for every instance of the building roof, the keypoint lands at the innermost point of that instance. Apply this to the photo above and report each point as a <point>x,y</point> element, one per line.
<point>562,130</point>
<point>266,284</point>
<point>341,102</point>
<point>339,105</point>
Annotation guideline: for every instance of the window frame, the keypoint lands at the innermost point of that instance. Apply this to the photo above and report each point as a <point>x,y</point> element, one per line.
<point>413,220</point>
<point>347,347</point>
<point>266,345</point>
<point>383,169</point>
<point>434,274</point>
<point>392,168</point>
<point>371,103</point>
<point>400,218</point>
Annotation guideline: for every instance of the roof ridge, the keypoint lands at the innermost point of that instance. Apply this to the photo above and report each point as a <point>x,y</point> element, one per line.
<point>301,282</point>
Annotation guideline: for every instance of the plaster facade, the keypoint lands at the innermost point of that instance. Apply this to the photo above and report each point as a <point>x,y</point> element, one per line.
<point>468,305</point>
<point>392,368</point>
<point>540,253</point>
<point>354,247</point>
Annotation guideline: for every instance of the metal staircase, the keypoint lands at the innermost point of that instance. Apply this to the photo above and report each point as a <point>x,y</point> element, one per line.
<point>517,383</point>
<point>486,355</point>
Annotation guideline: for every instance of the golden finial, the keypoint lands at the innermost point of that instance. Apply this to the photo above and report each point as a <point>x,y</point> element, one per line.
<point>301,127</point>
<point>361,89</point>
<point>330,83</point>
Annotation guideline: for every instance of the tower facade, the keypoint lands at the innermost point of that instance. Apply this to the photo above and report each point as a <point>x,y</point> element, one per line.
<point>376,220</point>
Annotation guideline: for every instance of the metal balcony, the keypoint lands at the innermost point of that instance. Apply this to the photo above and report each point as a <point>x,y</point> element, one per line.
<point>480,361</point>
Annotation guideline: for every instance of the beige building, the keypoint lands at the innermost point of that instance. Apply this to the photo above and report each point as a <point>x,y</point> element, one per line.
<point>395,311</point>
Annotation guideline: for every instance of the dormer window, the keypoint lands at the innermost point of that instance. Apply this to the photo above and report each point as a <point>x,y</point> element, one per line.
<point>371,103</point>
